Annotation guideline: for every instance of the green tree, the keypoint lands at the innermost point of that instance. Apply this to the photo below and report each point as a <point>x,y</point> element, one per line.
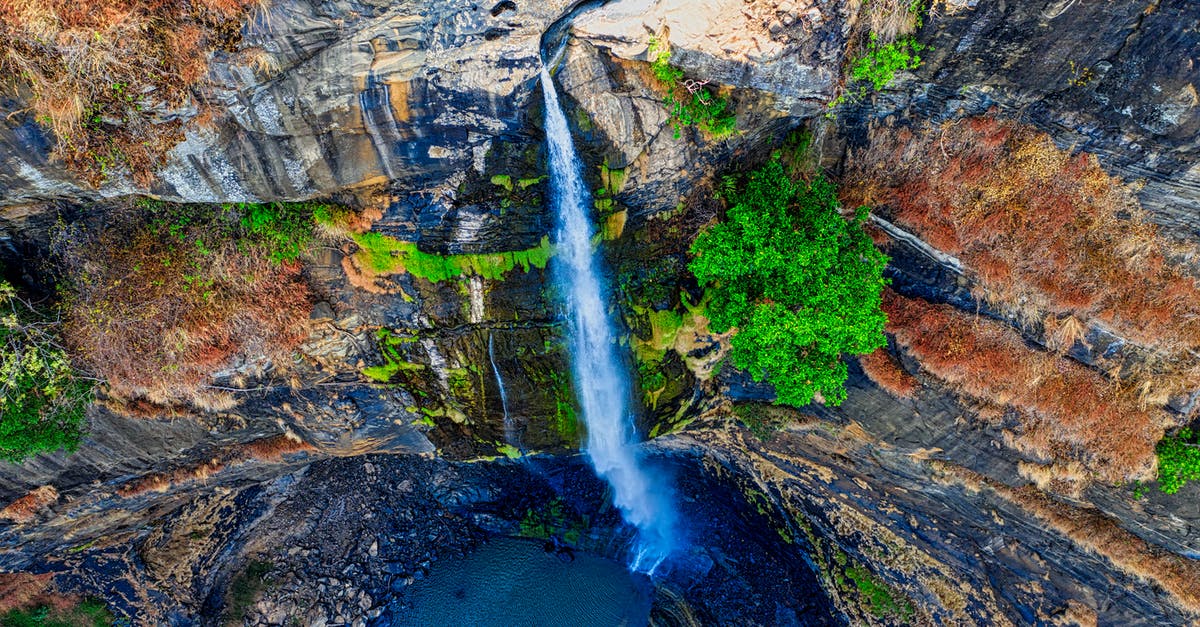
<point>800,284</point>
<point>42,399</point>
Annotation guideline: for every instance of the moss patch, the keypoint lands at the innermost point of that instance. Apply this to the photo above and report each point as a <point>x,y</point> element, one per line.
<point>382,255</point>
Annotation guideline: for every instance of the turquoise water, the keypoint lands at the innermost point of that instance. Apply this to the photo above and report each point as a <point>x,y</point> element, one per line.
<point>513,582</point>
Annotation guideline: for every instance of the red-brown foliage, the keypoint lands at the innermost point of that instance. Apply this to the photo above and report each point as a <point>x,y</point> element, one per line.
<point>883,369</point>
<point>156,317</point>
<point>26,507</point>
<point>1043,231</point>
<point>1067,412</point>
<point>95,69</point>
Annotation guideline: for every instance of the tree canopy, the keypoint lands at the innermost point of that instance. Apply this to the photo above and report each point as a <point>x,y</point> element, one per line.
<point>800,283</point>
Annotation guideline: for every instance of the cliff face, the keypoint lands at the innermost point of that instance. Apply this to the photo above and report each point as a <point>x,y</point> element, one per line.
<point>419,113</point>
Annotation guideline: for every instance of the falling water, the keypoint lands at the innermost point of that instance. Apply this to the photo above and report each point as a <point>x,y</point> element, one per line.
<point>602,387</point>
<point>509,433</point>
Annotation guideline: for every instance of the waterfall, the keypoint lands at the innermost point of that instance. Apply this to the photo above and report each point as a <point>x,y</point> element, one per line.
<point>509,432</point>
<point>600,384</point>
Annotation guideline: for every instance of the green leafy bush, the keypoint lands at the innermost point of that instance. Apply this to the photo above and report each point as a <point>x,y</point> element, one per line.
<point>880,63</point>
<point>690,103</point>
<point>1178,461</point>
<point>284,230</point>
<point>89,613</point>
<point>42,398</point>
<point>800,284</point>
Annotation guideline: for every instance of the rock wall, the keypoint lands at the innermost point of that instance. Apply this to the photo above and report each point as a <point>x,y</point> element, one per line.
<point>414,107</point>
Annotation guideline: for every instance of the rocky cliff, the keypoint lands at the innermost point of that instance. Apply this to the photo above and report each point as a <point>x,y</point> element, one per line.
<point>920,500</point>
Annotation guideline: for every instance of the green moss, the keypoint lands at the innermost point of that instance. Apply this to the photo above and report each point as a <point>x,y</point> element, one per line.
<point>393,359</point>
<point>878,597</point>
<point>508,451</point>
<point>763,420</point>
<point>502,180</point>
<point>382,254</point>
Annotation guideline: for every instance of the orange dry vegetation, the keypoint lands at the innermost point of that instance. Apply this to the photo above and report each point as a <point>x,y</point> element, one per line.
<point>1068,413</point>
<point>271,449</point>
<point>21,590</point>
<point>157,319</point>
<point>93,69</point>
<point>24,508</point>
<point>883,369</point>
<point>1043,231</point>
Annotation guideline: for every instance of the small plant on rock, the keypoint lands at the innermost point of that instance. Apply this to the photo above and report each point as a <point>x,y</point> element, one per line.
<point>880,62</point>
<point>689,101</point>
<point>1178,461</point>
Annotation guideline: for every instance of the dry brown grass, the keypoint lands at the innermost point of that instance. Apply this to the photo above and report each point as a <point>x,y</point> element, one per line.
<point>26,507</point>
<point>157,318</point>
<point>1095,532</point>
<point>1043,231</point>
<point>272,449</point>
<point>21,590</point>
<point>1068,413</point>
<point>887,373</point>
<point>93,71</point>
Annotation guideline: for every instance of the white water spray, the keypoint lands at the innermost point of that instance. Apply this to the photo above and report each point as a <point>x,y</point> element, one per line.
<point>601,385</point>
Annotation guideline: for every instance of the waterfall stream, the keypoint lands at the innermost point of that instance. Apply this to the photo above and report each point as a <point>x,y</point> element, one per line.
<point>603,389</point>
<point>509,432</point>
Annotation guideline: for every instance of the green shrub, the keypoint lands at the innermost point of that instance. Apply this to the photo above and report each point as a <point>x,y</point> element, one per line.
<point>42,398</point>
<point>89,613</point>
<point>800,284</point>
<point>698,106</point>
<point>1178,461</point>
<point>245,589</point>
<point>880,63</point>
<point>283,230</point>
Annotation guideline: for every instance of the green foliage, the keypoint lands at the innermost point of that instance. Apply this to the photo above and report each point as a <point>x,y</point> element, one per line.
<point>284,230</point>
<point>382,254</point>
<point>554,518</point>
<point>880,63</point>
<point>244,590</point>
<point>697,105</point>
<point>800,284</point>
<point>89,613</point>
<point>42,398</point>
<point>1178,460</point>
